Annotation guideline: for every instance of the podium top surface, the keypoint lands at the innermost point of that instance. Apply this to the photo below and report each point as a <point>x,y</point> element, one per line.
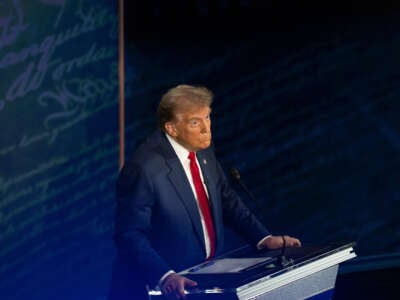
<point>245,265</point>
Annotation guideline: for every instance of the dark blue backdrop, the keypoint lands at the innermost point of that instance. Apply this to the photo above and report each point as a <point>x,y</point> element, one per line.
<point>58,147</point>
<point>306,108</point>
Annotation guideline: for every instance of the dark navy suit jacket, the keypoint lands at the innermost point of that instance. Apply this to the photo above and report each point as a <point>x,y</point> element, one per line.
<point>158,226</point>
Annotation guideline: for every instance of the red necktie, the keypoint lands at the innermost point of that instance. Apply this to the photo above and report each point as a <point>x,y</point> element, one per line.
<point>203,202</point>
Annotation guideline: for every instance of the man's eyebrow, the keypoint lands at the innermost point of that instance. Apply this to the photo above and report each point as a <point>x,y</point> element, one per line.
<point>198,118</point>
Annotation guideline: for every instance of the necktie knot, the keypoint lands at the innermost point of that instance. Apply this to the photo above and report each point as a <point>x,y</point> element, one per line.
<point>192,155</point>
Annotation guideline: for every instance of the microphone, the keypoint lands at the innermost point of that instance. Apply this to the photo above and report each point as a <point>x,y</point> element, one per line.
<point>236,176</point>
<point>282,260</point>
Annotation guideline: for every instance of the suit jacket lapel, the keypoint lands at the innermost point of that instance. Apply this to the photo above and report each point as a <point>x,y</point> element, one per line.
<point>202,159</point>
<point>209,180</point>
<point>182,186</point>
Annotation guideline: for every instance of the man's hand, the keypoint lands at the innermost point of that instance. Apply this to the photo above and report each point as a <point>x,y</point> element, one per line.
<point>276,242</point>
<point>173,286</point>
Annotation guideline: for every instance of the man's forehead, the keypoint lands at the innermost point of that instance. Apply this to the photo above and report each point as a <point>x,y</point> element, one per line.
<point>194,112</point>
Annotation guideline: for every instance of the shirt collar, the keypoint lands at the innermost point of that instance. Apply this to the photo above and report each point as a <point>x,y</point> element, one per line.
<point>180,151</point>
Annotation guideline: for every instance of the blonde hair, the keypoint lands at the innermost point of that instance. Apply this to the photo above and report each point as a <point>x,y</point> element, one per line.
<point>181,98</point>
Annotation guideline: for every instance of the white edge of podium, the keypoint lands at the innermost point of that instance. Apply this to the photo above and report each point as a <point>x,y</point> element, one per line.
<point>291,274</point>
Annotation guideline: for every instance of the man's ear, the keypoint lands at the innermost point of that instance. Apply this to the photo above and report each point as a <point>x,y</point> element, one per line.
<point>170,129</point>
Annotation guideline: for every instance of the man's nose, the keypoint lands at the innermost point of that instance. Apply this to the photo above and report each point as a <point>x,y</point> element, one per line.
<point>205,127</point>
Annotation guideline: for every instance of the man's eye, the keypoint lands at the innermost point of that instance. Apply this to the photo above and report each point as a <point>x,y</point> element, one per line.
<point>194,123</point>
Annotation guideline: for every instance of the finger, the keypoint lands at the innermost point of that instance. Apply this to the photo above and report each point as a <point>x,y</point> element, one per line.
<point>168,293</point>
<point>189,282</point>
<point>178,293</point>
<point>167,290</point>
<point>181,293</point>
<point>164,289</point>
<point>180,289</point>
<point>295,242</point>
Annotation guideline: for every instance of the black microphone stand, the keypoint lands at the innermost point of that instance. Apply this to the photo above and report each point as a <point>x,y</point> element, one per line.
<point>282,260</point>
<point>236,176</point>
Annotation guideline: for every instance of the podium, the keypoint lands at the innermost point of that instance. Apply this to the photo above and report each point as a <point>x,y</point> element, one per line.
<point>308,272</point>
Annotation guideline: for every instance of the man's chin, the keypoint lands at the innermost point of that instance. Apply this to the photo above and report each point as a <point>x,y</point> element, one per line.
<point>206,144</point>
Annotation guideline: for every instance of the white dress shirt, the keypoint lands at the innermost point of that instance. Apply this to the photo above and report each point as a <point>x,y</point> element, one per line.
<point>183,154</point>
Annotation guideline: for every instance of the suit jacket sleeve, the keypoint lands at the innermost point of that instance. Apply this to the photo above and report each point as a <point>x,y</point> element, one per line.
<point>237,215</point>
<point>133,223</point>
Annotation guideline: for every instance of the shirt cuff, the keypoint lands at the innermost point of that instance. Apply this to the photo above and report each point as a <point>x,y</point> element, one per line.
<point>259,247</point>
<point>160,282</point>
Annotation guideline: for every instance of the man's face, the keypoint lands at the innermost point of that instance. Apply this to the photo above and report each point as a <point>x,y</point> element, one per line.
<point>192,128</point>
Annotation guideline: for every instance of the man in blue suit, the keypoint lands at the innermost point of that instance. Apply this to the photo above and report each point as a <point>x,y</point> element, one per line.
<point>161,226</point>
